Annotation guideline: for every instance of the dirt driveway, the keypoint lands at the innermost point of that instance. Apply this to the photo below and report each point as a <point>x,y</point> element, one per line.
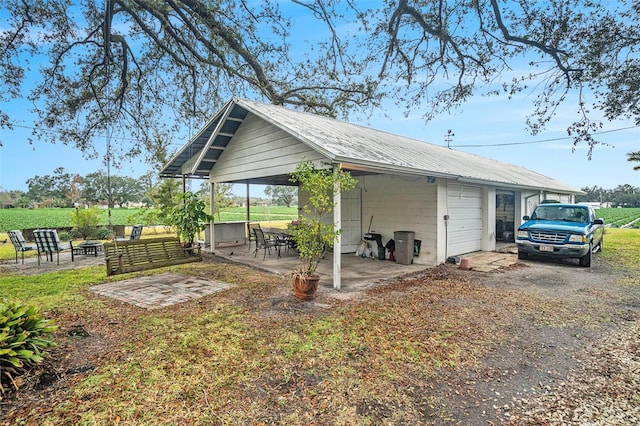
<point>579,365</point>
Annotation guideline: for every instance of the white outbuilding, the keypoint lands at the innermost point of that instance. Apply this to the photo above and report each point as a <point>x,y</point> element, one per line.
<point>452,202</point>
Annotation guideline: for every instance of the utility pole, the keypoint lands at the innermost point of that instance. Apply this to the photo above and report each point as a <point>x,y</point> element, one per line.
<point>107,53</point>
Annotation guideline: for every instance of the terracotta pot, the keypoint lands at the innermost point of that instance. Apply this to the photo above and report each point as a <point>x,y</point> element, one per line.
<point>465,263</point>
<point>304,288</point>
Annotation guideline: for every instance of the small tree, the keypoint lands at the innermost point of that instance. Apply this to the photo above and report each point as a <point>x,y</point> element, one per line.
<point>315,231</point>
<point>189,217</point>
<point>85,221</point>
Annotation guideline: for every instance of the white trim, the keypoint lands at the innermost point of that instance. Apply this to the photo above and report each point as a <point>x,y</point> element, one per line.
<point>337,223</point>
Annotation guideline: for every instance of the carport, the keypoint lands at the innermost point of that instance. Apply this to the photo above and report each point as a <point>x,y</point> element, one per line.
<point>446,197</point>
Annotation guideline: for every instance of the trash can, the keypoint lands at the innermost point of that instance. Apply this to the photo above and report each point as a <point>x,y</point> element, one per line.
<point>404,246</point>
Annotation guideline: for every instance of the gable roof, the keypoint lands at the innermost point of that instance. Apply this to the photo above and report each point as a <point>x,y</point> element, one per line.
<point>353,145</point>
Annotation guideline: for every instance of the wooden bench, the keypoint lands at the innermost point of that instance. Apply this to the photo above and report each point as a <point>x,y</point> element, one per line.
<point>150,253</point>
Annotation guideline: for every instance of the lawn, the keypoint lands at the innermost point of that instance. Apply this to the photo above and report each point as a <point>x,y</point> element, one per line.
<point>253,355</point>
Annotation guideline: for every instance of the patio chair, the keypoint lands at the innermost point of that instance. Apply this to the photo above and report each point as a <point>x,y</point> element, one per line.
<point>136,231</point>
<point>48,242</point>
<point>264,243</point>
<point>19,243</point>
<point>252,236</point>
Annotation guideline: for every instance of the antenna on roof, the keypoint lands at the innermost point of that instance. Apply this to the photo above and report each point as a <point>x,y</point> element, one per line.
<point>449,137</point>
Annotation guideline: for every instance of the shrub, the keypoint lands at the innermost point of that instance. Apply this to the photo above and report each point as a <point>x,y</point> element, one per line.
<point>64,236</point>
<point>189,217</point>
<point>23,338</point>
<point>103,233</point>
<point>85,221</point>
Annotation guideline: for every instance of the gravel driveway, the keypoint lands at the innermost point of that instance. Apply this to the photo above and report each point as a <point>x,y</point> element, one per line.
<point>582,367</point>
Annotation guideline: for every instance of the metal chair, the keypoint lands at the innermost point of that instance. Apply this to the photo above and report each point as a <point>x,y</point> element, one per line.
<point>19,243</point>
<point>250,228</point>
<point>264,243</point>
<point>48,242</point>
<point>136,231</point>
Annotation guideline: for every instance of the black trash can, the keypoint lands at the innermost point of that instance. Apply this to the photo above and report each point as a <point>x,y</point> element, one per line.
<point>404,246</point>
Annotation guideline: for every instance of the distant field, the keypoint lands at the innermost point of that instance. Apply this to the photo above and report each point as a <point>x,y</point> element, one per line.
<point>620,217</point>
<point>61,218</point>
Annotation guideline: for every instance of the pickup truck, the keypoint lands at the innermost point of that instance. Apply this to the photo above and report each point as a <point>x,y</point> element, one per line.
<point>561,230</point>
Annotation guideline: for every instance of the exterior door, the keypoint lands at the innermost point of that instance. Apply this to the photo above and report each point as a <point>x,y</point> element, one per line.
<point>351,220</point>
<point>464,231</point>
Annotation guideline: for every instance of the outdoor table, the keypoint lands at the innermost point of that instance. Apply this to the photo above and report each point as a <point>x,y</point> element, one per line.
<point>282,235</point>
<point>88,247</point>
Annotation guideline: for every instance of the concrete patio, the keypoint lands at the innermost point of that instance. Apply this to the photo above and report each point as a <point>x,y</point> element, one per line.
<point>164,289</point>
<point>354,268</point>
<point>357,273</point>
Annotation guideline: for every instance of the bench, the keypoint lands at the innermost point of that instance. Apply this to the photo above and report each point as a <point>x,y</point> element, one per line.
<point>139,255</point>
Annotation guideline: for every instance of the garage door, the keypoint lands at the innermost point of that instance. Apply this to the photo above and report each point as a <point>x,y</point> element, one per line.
<point>351,223</point>
<point>464,232</point>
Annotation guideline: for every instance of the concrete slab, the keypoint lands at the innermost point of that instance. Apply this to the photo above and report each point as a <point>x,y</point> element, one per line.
<point>357,273</point>
<point>490,261</point>
<point>158,291</point>
<point>31,267</point>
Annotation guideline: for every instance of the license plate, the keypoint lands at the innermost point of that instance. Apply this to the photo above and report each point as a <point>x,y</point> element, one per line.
<point>546,248</point>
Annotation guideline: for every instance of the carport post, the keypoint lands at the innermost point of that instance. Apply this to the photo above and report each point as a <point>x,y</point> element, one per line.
<point>212,208</point>
<point>337,223</point>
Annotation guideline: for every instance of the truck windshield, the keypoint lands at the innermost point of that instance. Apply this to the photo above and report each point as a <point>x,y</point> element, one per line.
<point>561,213</point>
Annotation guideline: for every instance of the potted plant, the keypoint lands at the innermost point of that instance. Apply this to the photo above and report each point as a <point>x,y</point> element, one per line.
<point>189,217</point>
<point>314,231</point>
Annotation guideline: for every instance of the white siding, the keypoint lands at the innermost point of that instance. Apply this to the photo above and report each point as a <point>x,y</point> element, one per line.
<point>464,230</point>
<point>401,204</point>
<point>260,149</point>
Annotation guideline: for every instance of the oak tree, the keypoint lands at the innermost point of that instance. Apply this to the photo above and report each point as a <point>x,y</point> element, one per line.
<point>141,71</point>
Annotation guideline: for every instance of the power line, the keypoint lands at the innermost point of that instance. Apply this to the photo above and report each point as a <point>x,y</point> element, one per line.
<point>541,141</point>
<point>121,138</point>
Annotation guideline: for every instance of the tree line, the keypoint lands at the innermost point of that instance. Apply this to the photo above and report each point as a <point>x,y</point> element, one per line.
<point>65,189</point>
<point>621,196</point>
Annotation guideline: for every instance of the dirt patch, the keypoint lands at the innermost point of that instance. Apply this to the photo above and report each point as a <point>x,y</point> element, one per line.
<point>77,354</point>
<point>553,361</point>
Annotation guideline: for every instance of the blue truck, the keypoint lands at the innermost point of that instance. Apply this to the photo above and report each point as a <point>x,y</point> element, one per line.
<point>561,230</point>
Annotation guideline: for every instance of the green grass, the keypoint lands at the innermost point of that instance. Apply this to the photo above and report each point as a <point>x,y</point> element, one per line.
<point>52,290</point>
<point>61,218</point>
<point>622,247</point>
<point>619,217</point>
<point>54,218</point>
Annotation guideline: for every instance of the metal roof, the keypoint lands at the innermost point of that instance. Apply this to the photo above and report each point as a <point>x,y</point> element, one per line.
<point>357,147</point>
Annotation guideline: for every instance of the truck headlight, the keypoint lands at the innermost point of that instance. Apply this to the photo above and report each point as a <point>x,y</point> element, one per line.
<point>577,238</point>
<point>523,234</point>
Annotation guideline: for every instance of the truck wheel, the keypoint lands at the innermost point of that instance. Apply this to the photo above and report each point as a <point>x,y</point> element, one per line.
<point>523,255</point>
<point>585,260</point>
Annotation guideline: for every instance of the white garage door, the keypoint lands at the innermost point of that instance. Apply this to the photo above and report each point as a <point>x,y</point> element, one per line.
<point>351,223</point>
<point>464,232</point>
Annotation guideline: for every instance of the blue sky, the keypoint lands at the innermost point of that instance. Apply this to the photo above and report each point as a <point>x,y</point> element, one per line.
<point>482,121</point>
